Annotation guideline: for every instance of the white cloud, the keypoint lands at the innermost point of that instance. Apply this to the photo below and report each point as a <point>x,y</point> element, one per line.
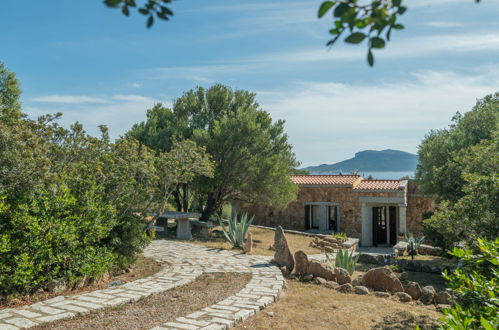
<point>132,98</point>
<point>442,24</point>
<point>329,122</point>
<point>136,85</point>
<point>405,48</point>
<point>69,99</point>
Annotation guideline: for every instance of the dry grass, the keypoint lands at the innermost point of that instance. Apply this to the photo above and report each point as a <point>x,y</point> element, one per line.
<point>206,290</point>
<point>142,267</point>
<point>262,239</point>
<point>308,306</point>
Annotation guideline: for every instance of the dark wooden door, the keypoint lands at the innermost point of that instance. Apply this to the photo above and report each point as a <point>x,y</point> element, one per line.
<point>307,217</point>
<point>392,215</point>
<point>379,225</point>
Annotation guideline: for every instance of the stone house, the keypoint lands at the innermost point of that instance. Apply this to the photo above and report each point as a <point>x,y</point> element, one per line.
<point>378,212</point>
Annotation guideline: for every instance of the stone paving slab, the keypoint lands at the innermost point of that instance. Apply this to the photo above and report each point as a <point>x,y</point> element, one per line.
<point>185,263</point>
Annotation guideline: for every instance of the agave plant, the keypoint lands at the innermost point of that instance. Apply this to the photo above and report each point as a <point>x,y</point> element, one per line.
<point>344,259</point>
<point>236,230</point>
<point>413,244</point>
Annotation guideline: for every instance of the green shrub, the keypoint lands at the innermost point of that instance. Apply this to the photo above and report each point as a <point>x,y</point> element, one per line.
<point>344,259</point>
<point>340,235</point>
<point>236,231</point>
<point>413,244</point>
<point>396,268</point>
<point>476,286</point>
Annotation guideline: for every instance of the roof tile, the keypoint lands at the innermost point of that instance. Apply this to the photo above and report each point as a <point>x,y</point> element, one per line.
<point>338,179</point>
<point>378,185</point>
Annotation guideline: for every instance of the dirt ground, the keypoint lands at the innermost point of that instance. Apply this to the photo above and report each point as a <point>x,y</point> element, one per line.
<point>309,306</point>
<point>262,240</point>
<point>206,290</point>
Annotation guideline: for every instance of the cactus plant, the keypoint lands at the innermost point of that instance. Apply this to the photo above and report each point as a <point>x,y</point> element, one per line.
<point>236,230</point>
<point>344,259</point>
<point>413,244</point>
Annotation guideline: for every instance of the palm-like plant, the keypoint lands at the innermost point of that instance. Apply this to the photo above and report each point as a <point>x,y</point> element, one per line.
<point>344,259</point>
<point>413,244</point>
<point>236,230</point>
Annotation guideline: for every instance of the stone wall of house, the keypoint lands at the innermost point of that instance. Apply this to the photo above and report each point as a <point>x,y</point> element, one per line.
<point>293,216</point>
<point>417,206</point>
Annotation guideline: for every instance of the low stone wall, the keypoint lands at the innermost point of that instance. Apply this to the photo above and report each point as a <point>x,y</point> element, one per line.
<point>423,249</point>
<point>350,243</point>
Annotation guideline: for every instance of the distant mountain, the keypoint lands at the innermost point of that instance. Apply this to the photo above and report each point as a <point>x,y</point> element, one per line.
<point>371,161</point>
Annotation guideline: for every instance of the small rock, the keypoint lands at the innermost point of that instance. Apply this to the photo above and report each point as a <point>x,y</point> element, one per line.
<point>403,297</point>
<point>332,285</point>
<point>81,283</point>
<point>271,314</point>
<point>308,278</point>
<point>301,262</point>
<point>359,289</point>
<point>248,244</point>
<point>284,270</point>
<point>342,276</point>
<point>413,289</point>
<point>320,281</point>
<point>283,256</point>
<point>56,286</point>
<point>357,281</point>
<point>345,288</point>
<point>381,294</point>
<point>427,294</point>
<point>443,298</point>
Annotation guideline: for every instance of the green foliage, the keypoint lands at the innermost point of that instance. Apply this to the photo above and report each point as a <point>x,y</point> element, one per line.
<point>475,284</point>
<point>151,8</point>
<point>413,244</point>
<point>396,268</point>
<point>73,205</point>
<point>373,22</point>
<point>344,259</point>
<point>340,235</point>
<point>460,165</point>
<point>252,156</point>
<point>9,94</point>
<point>236,230</point>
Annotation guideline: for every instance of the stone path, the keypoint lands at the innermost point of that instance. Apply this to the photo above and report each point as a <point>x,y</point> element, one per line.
<point>186,262</point>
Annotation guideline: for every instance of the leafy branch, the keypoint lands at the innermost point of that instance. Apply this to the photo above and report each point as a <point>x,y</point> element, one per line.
<point>151,8</point>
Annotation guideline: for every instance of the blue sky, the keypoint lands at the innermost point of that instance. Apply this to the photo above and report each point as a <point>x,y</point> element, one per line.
<point>100,67</point>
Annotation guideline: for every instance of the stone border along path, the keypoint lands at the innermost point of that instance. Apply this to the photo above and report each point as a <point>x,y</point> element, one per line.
<point>186,262</point>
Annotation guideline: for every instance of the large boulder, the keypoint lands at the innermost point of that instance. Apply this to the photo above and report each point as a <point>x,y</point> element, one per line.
<point>413,289</point>
<point>342,276</point>
<point>301,262</point>
<point>248,245</point>
<point>443,298</point>
<point>382,279</point>
<point>428,294</point>
<point>320,269</point>
<point>283,256</point>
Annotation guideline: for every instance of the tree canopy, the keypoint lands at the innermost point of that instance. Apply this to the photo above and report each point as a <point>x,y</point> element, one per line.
<point>252,156</point>
<point>461,166</point>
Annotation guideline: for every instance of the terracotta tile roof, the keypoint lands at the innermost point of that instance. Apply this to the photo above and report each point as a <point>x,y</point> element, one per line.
<point>338,179</point>
<point>378,185</point>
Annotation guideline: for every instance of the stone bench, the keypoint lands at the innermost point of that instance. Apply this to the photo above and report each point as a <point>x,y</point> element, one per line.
<point>206,227</point>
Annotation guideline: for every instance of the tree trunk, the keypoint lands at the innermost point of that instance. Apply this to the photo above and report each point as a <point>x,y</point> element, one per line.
<point>211,206</point>
<point>185,198</point>
<point>176,196</point>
